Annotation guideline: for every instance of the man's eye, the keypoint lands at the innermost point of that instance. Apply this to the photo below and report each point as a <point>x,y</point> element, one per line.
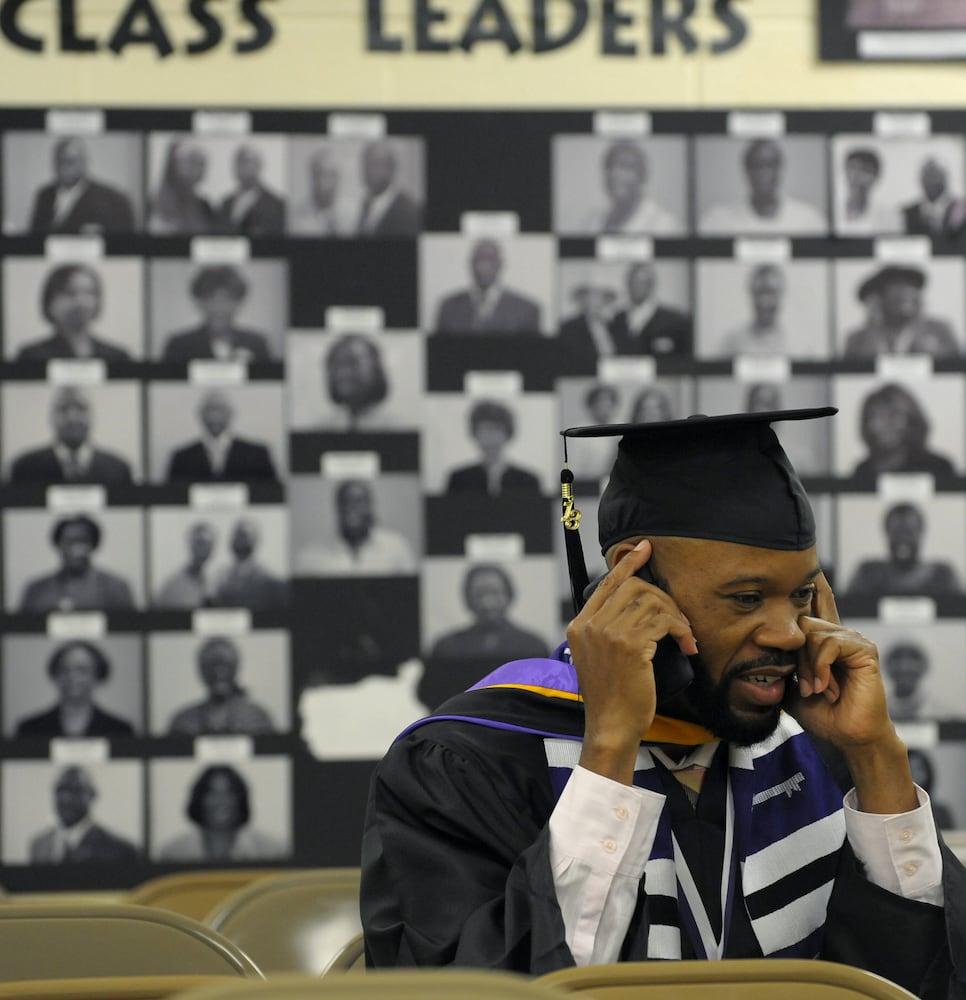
<point>804,596</point>
<point>746,600</point>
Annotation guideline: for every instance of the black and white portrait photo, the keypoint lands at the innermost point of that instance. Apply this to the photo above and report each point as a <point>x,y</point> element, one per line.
<point>496,446</point>
<point>630,185</point>
<point>896,185</point>
<point>355,380</point>
<point>762,308</point>
<point>72,813</point>
<point>219,812</point>
<point>887,426</point>
<point>80,309</point>
<point>224,312</point>
<point>364,188</point>
<point>921,668</point>
<point>81,434</point>
<point>219,557</point>
<point>636,307</point>
<point>890,547</point>
<point>487,284</point>
<point>218,684</point>
<point>81,185</point>
<point>774,185</point>
<point>202,184</point>
<point>209,434</point>
<point>74,688</point>
<point>593,401</point>
<point>356,525</point>
<point>73,561</point>
<point>480,613</point>
<point>899,308</point>
<point>808,443</point>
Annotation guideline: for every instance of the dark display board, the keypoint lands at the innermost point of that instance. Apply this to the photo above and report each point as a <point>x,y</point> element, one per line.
<point>280,396</point>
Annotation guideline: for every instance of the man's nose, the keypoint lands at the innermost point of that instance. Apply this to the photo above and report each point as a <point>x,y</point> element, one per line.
<point>781,630</point>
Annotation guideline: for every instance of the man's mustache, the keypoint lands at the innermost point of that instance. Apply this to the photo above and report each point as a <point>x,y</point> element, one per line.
<point>769,658</point>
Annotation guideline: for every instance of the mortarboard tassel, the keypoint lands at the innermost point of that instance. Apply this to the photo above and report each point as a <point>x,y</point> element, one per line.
<point>570,518</point>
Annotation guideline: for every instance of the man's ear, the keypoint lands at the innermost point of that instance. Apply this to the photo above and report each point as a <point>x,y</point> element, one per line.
<point>617,551</point>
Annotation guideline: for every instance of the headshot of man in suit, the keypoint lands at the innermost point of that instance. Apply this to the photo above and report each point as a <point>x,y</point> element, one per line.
<point>764,332</point>
<point>387,210</point>
<point>767,207</point>
<point>70,300</point>
<point>360,546</point>
<point>321,213</point>
<point>251,209</point>
<point>220,455</point>
<point>76,836</point>
<point>74,202</point>
<point>219,292</point>
<point>178,208</point>
<point>191,586</point>
<point>939,213</point>
<point>586,335</point>
<point>246,583</point>
<point>356,379</point>
<point>896,321</point>
<point>227,709</point>
<point>487,306</point>
<point>644,325</point>
<point>76,669</point>
<point>71,457</point>
<point>78,585</point>
<point>492,425</point>
<point>630,207</point>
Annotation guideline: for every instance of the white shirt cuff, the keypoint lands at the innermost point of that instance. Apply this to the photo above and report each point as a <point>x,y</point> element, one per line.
<point>900,851</point>
<point>601,834</point>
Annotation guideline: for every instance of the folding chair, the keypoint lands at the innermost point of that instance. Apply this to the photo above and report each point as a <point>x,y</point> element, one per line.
<point>388,984</point>
<point>39,941</point>
<point>297,922</point>
<point>195,894</point>
<point>744,978</point>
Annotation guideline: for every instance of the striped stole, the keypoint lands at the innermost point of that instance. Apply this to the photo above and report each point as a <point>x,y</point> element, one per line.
<point>788,830</point>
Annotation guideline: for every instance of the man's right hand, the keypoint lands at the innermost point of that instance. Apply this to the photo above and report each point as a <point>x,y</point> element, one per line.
<point>613,642</point>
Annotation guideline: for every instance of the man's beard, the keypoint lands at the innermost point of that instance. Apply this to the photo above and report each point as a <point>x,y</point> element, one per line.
<point>711,702</point>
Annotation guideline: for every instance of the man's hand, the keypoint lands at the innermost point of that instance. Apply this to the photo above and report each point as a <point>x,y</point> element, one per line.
<point>613,641</point>
<point>843,700</point>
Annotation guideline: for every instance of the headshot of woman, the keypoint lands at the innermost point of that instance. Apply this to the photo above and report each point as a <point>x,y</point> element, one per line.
<point>651,405</point>
<point>219,806</point>
<point>177,206</point>
<point>70,300</point>
<point>356,379</point>
<point>894,428</point>
<point>76,669</point>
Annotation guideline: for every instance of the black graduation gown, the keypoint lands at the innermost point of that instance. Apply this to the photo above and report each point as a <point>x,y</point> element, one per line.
<point>456,870</point>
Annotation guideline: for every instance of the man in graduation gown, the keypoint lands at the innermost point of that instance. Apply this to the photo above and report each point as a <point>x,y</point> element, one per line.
<point>528,825</point>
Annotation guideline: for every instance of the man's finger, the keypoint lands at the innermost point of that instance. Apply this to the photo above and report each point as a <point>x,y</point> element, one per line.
<point>624,569</point>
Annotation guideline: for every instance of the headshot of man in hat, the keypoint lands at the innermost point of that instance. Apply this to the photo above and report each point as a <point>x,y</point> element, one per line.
<point>705,768</point>
<point>896,322</point>
<point>585,333</point>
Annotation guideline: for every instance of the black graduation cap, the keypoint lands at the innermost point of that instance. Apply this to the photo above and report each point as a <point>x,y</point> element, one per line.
<point>725,478</point>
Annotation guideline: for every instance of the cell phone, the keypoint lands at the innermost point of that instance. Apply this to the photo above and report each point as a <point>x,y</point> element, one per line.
<point>672,669</point>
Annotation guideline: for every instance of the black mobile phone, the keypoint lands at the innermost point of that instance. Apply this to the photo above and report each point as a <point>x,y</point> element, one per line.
<point>672,668</point>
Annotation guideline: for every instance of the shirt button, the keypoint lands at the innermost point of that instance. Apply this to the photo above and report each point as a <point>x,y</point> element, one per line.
<point>609,846</point>
<point>621,812</point>
<point>910,867</point>
<point>906,836</point>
